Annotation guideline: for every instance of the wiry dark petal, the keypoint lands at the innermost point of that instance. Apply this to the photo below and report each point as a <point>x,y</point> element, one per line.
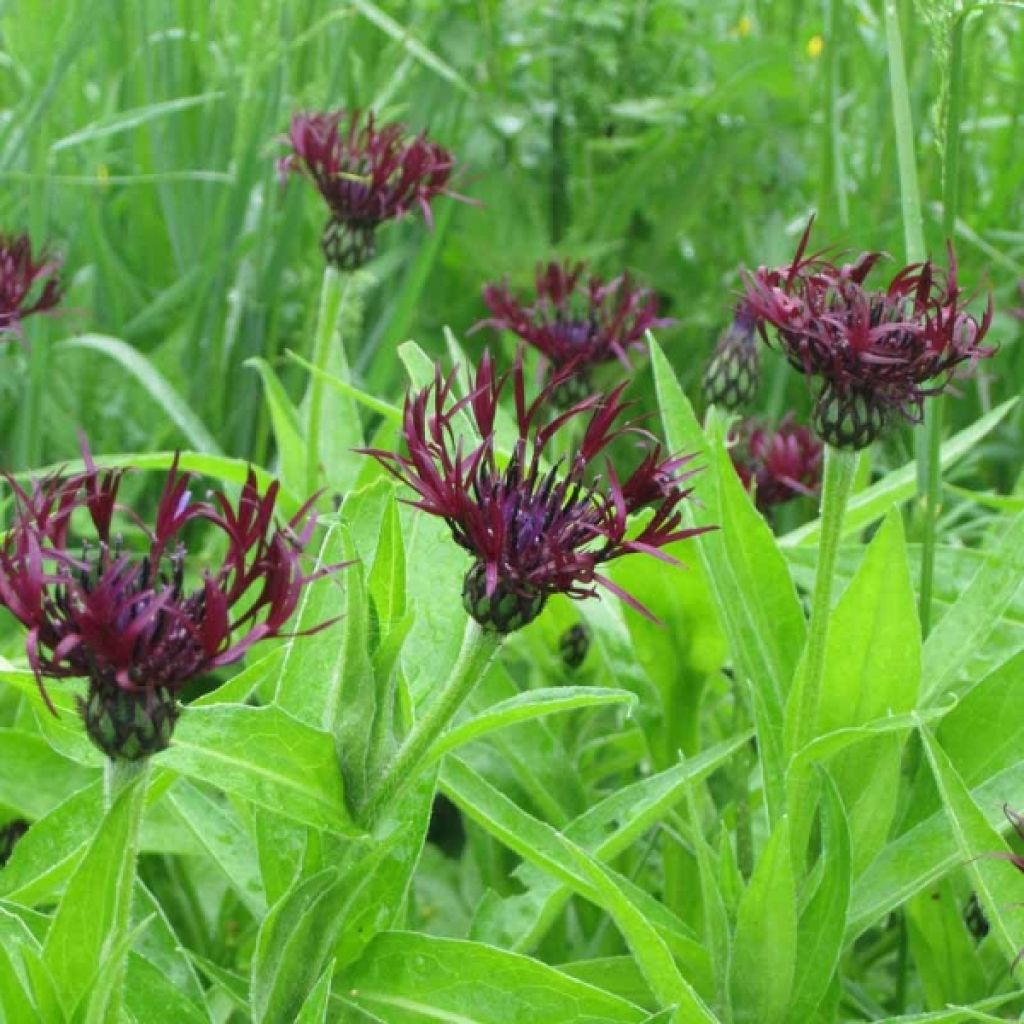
<point>777,465</point>
<point>127,620</point>
<point>878,353</point>
<point>533,530</point>
<point>575,320</point>
<point>28,284</point>
<point>367,173</point>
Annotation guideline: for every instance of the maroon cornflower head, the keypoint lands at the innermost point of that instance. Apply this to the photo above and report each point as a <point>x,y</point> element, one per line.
<point>27,285</point>
<point>126,619</point>
<point>534,530</point>
<point>577,321</point>
<point>734,371</point>
<point>367,174</point>
<point>877,353</point>
<point>777,466</point>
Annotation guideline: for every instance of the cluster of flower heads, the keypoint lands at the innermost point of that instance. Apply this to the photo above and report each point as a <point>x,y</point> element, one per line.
<point>28,284</point>
<point>877,353</point>
<point>367,173</point>
<point>576,321</point>
<point>534,529</point>
<point>125,618</point>
<point>777,465</point>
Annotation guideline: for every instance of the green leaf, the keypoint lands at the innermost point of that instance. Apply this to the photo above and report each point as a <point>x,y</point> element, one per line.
<point>228,843</point>
<point>309,679</point>
<point>347,390</point>
<point>387,577</point>
<point>34,778</point>
<point>17,1001</point>
<point>407,978</point>
<point>969,621</point>
<point>158,387</point>
<point>314,1009</point>
<point>822,923</point>
<point>943,950</point>
<point>606,830</point>
<point>901,484</point>
<point>380,883</point>
<point>763,965</point>
<point>295,943</point>
<point>151,997</point>
<point>291,448</point>
<point>756,600</point>
<point>999,887</point>
<point>652,955</point>
<point>93,911</point>
<point>265,756</point>
<point>527,705</point>
<point>925,853</point>
<point>542,846</point>
<point>49,852</point>
<point>872,670</point>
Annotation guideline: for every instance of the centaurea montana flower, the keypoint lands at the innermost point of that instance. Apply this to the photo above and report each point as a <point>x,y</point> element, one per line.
<point>28,284</point>
<point>367,173</point>
<point>126,619</point>
<point>576,321</point>
<point>877,353</point>
<point>535,529</point>
<point>777,465</point>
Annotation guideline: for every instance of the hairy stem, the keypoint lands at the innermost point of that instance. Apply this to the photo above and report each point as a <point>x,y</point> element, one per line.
<point>839,470</point>
<point>478,648</point>
<point>332,292</point>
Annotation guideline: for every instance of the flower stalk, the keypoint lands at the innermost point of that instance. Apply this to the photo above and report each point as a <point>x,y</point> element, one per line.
<point>840,466</point>
<point>479,646</point>
<point>333,293</point>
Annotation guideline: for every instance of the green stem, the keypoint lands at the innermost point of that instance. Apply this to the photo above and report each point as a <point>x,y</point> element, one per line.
<point>119,775</point>
<point>478,648</point>
<point>331,293</point>
<point>839,469</point>
<point>125,780</point>
<point>928,466</point>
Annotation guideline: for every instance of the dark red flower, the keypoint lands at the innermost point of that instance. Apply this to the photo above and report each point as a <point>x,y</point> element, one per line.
<point>27,285</point>
<point>878,354</point>
<point>734,371</point>
<point>367,174</point>
<point>126,618</point>
<point>534,529</point>
<point>777,466</point>
<point>577,321</point>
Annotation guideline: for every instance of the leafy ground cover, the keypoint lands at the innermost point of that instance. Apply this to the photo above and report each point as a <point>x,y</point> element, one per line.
<point>370,369</point>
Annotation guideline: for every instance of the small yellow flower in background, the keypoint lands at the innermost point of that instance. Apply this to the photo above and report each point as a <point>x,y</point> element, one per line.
<point>744,27</point>
<point>103,174</point>
<point>814,47</point>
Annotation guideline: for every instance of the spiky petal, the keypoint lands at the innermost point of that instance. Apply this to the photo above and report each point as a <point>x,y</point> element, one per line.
<point>777,465</point>
<point>576,320</point>
<point>28,284</point>
<point>877,354</point>
<point>367,173</point>
<point>534,529</point>
<point>127,620</point>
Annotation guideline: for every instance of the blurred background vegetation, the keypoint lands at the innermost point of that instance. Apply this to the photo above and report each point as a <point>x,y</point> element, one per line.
<point>679,138</point>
